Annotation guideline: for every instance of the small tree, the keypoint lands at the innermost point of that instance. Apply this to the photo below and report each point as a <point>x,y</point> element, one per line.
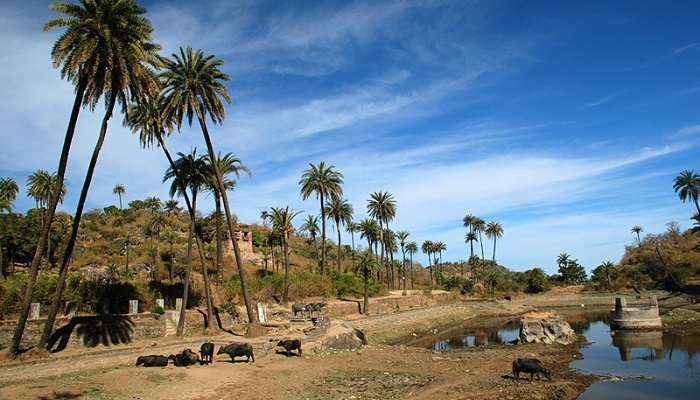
<point>536,280</point>
<point>604,274</point>
<point>366,264</point>
<point>571,271</point>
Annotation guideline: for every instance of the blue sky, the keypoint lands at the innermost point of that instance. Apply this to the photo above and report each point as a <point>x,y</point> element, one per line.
<point>565,121</point>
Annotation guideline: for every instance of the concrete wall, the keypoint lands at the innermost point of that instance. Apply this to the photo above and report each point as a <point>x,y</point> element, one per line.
<point>639,317</point>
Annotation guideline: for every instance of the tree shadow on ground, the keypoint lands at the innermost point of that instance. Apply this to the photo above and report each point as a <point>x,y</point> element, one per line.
<point>287,353</point>
<point>61,396</point>
<point>93,330</point>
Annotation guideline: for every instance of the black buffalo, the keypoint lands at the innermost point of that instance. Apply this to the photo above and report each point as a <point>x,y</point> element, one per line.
<point>206,351</point>
<point>237,350</point>
<point>298,308</point>
<point>289,345</point>
<point>152,361</point>
<point>530,366</point>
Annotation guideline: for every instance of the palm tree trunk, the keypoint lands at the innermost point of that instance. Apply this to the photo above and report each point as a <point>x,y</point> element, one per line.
<point>219,249</point>
<point>337,227</point>
<point>38,253</point>
<point>186,285</point>
<point>365,306</point>
<point>352,239</point>
<point>120,201</point>
<point>126,267</point>
<point>68,252</point>
<point>207,288</point>
<point>381,243</point>
<point>285,250</point>
<point>494,249</point>
<point>411,256</point>
<point>252,316</point>
<point>430,270</point>
<point>481,243</point>
<point>403,271</point>
<point>323,235</point>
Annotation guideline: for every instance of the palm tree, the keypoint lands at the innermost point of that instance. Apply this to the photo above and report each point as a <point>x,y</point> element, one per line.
<point>171,207</point>
<point>369,229</point>
<point>228,164</point>
<point>156,224</point>
<point>469,221</point>
<point>340,210</point>
<point>366,264</point>
<point>470,238</point>
<point>494,230</point>
<point>687,185</point>
<point>402,236</point>
<point>411,249</point>
<point>390,247</point>
<point>190,172</point>
<point>325,182</point>
<point>638,230</point>
<point>439,248</point>
<point>106,49</point>
<point>40,185</point>
<point>194,86</point>
<point>563,259</point>
<point>281,220</point>
<point>351,228</point>
<point>427,248</point>
<point>310,225</point>
<point>479,226</point>
<point>382,207</point>
<point>8,194</point>
<point>119,190</point>
<point>607,267</point>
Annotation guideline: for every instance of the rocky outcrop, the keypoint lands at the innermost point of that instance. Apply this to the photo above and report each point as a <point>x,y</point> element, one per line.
<point>545,328</point>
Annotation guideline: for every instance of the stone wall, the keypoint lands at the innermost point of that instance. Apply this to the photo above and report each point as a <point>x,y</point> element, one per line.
<point>91,330</point>
<point>640,317</point>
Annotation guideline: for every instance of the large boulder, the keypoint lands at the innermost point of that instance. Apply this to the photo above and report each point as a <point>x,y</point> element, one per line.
<point>343,337</point>
<point>545,328</point>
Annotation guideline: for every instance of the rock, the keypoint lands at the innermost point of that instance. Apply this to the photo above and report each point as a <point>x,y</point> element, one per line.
<point>545,328</point>
<point>343,337</point>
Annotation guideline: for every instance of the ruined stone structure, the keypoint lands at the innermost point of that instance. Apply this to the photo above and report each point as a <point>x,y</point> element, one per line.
<point>640,317</point>
<point>244,238</point>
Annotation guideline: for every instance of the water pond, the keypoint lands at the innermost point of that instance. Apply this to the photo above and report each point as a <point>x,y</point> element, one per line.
<point>642,365</point>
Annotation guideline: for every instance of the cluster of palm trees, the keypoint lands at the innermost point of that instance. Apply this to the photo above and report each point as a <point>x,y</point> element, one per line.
<point>475,227</point>
<point>106,51</point>
<point>434,252</point>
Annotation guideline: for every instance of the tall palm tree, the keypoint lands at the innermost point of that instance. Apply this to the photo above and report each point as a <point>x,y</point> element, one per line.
<point>324,182</point>
<point>369,229</point>
<point>190,172</point>
<point>637,230</point>
<point>607,268</point>
<point>402,236</point>
<point>439,248</point>
<point>470,238</point>
<point>382,207</point>
<point>411,249</point>
<point>282,222</point>
<point>194,86</point>
<point>119,190</point>
<point>40,185</point>
<point>494,231</point>
<point>366,264</point>
<point>228,164</point>
<point>340,210</point>
<point>391,248</point>
<point>109,42</point>
<point>427,248</point>
<point>8,194</point>
<point>468,222</point>
<point>352,227</point>
<point>310,225</point>
<point>687,185</point>
<point>479,226</point>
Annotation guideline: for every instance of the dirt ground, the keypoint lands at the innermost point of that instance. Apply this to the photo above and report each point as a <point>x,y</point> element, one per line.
<point>375,371</point>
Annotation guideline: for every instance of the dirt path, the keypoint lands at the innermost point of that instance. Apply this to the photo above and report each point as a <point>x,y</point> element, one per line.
<point>373,372</point>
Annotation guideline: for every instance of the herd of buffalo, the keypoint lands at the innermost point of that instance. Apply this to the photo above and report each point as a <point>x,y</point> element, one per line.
<point>206,354</point>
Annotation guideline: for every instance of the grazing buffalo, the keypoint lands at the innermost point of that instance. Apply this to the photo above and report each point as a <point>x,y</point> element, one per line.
<point>207,352</point>
<point>237,350</point>
<point>152,361</point>
<point>530,366</point>
<point>290,345</point>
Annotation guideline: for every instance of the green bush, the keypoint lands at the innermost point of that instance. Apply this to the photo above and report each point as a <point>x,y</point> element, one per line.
<point>230,309</point>
<point>464,285</point>
<point>158,310</point>
<point>349,284</point>
<point>536,280</point>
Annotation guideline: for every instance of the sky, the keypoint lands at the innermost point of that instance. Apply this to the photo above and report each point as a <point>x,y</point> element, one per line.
<point>564,121</point>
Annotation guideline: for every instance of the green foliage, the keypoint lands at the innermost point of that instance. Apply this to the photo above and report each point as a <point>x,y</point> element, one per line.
<point>349,284</point>
<point>571,271</point>
<point>230,309</point>
<point>536,280</point>
<point>260,238</point>
<point>158,310</point>
<point>464,285</point>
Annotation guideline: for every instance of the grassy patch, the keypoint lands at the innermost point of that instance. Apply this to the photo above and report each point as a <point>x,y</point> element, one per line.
<point>680,315</point>
<point>341,384</point>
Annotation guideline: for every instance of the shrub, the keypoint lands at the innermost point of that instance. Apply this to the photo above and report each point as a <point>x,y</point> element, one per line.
<point>536,280</point>
<point>230,309</point>
<point>464,285</point>
<point>158,310</point>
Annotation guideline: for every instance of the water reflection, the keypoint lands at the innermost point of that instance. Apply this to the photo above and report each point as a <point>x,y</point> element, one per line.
<point>470,337</point>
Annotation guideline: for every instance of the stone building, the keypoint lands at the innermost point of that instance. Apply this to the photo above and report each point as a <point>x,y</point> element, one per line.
<point>244,238</point>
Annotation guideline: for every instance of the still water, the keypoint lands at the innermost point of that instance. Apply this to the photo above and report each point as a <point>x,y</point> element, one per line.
<point>645,365</point>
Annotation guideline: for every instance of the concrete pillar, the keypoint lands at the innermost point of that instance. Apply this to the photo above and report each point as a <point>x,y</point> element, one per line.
<point>620,303</point>
<point>654,302</point>
<point>35,311</point>
<point>160,303</point>
<point>178,304</point>
<point>133,306</point>
<point>261,312</point>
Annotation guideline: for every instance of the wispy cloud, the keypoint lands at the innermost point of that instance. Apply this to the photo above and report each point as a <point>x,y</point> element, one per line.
<point>687,47</point>
<point>689,130</point>
<point>601,101</point>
